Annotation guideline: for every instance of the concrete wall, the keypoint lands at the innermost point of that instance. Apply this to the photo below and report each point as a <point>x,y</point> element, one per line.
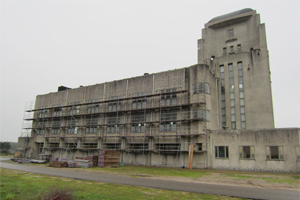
<point>251,35</point>
<point>260,139</point>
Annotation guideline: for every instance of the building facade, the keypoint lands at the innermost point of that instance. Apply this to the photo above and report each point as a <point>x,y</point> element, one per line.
<point>152,119</point>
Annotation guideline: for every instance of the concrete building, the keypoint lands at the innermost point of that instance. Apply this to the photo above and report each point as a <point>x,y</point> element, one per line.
<point>222,106</point>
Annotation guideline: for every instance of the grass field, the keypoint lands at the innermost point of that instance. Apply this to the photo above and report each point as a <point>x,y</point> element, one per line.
<point>197,174</point>
<point>153,171</point>
<point>22,185</point>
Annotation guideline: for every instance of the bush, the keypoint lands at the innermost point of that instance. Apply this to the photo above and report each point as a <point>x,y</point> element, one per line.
<point>58,194</point>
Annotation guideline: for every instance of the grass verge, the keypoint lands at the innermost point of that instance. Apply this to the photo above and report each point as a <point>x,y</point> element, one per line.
<point>132,170</point>
<point>23,185</point>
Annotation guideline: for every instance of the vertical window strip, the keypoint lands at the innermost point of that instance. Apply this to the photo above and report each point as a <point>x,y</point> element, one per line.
<point>232,96</point>
<point>223,108</point>
<point>242,95</point>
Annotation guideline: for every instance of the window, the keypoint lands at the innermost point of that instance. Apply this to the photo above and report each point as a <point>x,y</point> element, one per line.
<point>207,88</point>
<point>221,152</point>
<point>221,68</point>
<point>74,109</point>
<point>91,121</point>
<point>168,147</point>
<point>230,32</point>
<point>202,114</point>
<point>91,130</point>
<point>141,126</point>
<point>223,92</point>
<point>199,146</point>
<point>232,103</point>
<point>168,127</point>
<point>72,122</point>
<point>274,153</point>
<point>57,111</point>
<point>242,97</point>
<point>72,130</point>
<point>138,128</point>
<point>224,51</point>
<point>201,88</point>
<point>56,123</point>
<point>168,97</point>
<point>232,95</point>
<point>43,112</point>
<point>231,49</point>
<point>112,129</point>
<point>140,102</point>
<point>231,81</point>
<point>41,147</point>
<point>55,131</point>
<point>115,105</point>
<point>94,107</point>
<point>54,145</point>
<point>40,131</point>
<point>246,152</point>
<point>113,146</point>
<point>239,47</point>
<point>71,145</point>
<point>168,115</point>
<point>223,109</point>
<point>138,117</point>
<point>113,119</point>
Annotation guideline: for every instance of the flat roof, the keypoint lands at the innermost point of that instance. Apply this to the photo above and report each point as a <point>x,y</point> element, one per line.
<point>245,10</point>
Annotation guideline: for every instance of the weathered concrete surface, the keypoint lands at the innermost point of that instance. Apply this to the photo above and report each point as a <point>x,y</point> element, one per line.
<point>244,192</point>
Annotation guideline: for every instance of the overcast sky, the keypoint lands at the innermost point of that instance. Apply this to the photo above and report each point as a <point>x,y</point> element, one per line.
<point>45,44</point>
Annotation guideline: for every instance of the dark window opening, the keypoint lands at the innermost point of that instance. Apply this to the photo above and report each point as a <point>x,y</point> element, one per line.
<point>221,152</point>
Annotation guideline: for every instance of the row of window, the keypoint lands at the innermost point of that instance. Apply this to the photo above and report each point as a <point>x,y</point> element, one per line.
<point>248,152</point>
<point>231,49</point>
<point>112,106</point>
<point>201,88</point>
<point>232,96</point>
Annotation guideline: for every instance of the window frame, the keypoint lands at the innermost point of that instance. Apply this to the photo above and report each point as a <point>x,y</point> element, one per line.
<point>251,152</point>
<point>280,151</point>
<point>226,152</point>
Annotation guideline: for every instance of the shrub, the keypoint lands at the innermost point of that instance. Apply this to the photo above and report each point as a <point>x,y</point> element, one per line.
<point>58,194</point>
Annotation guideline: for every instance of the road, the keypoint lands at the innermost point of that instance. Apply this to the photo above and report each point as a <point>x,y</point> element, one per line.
<point>244,192</point>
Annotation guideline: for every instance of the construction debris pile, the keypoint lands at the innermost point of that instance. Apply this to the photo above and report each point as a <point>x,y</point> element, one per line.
<point>108,158</point>
<point>57,164</point>
<point>103,159</point>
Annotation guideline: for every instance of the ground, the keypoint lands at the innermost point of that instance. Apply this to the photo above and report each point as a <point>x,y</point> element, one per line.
<point>280,181</point>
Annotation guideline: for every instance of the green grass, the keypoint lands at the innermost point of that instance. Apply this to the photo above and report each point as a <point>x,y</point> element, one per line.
<point>154,171</point>
<point>7,154</point>
<point>22,185</point>
<point>279,179</point>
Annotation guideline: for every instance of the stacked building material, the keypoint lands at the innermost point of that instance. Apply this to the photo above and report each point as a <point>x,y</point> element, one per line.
<point>72,164</point>
<point>108,158</point>
<point>58,164</point>
<point>101,158</point>
<point>83,163</point>
<point>93,159</point>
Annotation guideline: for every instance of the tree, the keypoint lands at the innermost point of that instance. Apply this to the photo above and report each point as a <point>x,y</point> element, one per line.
<point>4,147</point>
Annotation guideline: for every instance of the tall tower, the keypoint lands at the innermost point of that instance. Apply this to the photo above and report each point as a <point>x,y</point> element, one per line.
<point>235,47</point>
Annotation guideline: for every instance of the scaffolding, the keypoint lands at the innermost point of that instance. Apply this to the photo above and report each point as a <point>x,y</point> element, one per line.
<point>146,122</point>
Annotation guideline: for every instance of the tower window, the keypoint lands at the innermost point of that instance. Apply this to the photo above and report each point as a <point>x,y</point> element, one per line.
<point>230,32</point>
